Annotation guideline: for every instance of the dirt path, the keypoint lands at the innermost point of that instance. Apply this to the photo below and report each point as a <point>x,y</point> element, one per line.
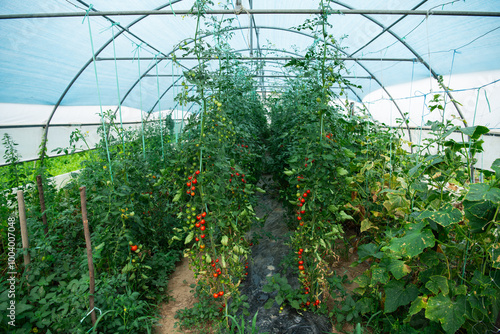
<point>179,289</point>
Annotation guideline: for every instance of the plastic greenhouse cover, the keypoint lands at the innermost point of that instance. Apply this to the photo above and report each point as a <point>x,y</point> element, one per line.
<point>47,65</point>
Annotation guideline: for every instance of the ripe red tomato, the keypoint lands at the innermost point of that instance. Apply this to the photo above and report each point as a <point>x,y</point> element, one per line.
<point>215,275</point>
<point>202,236</point>
<point>299,217</point>
<point>221,293</point>
<point>204,214</point>
<point>192,193</point>
<point>197,172</point>
<point>193,188</point>
<point>195,181</point>
<point>133,248</point>
<point>301,267</point>
<point>301,262</point>
<point>216,295</point>
<point>308,191</point>
<point>301,250</point>
<point>188,184</point>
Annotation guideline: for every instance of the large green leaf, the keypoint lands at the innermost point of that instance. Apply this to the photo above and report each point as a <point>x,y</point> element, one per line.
<point>495,255</point>
<point>398,268</point>
<point>416,306</point>
<point>449,313</point>
<point>474,147</point>
<point>397,294</point>
<point>437,284</point>
<point>496,167</point>
<point>445,216</point>
<point>483,192</point>
<point>475,132</point>
<point>379,275</point>
<point>397,204</point>
<point>414,241</point>
<point>479,214</point>
<point>368,250</point>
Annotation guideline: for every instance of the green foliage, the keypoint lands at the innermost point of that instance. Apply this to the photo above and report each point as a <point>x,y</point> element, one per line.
<point>52,294</point>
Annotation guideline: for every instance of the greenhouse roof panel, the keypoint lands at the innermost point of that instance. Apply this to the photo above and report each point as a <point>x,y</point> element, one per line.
<point>48,61</point>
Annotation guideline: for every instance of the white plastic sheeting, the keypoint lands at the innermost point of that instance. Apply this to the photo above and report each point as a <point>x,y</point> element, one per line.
<point>47,65</point>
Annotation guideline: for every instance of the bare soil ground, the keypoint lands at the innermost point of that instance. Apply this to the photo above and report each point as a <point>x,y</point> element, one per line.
<point>181,297</point>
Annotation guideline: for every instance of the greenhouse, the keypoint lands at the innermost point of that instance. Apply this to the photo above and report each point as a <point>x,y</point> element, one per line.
<point>250,166</point>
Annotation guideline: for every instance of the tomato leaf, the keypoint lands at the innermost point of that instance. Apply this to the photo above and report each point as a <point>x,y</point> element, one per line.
<point>341,171</point>
<point>177,196</point>
<point>189,237</point>
<point>345,216</point>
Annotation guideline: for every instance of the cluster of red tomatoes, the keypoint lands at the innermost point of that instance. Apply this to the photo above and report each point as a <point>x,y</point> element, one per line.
<point>312,161</point>
<point>201,224</point>
<point>237,175</point>
<point>217,270</point>
<point>191,184</point>
<point>301,202</point>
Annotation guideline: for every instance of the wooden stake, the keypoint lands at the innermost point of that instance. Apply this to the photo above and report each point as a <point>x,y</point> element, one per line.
<point>42,203</point>
<point>24,229</point>
<point>83,198</point>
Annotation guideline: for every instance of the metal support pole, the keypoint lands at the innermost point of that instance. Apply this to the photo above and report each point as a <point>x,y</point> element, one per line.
<point>266,58</point>
<point>252,11</point>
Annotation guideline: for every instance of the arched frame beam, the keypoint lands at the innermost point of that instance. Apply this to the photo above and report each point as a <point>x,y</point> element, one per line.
<point>290,31</point>
<point>244,50</point>
<point>405,44</point>
<point>87,64</point>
